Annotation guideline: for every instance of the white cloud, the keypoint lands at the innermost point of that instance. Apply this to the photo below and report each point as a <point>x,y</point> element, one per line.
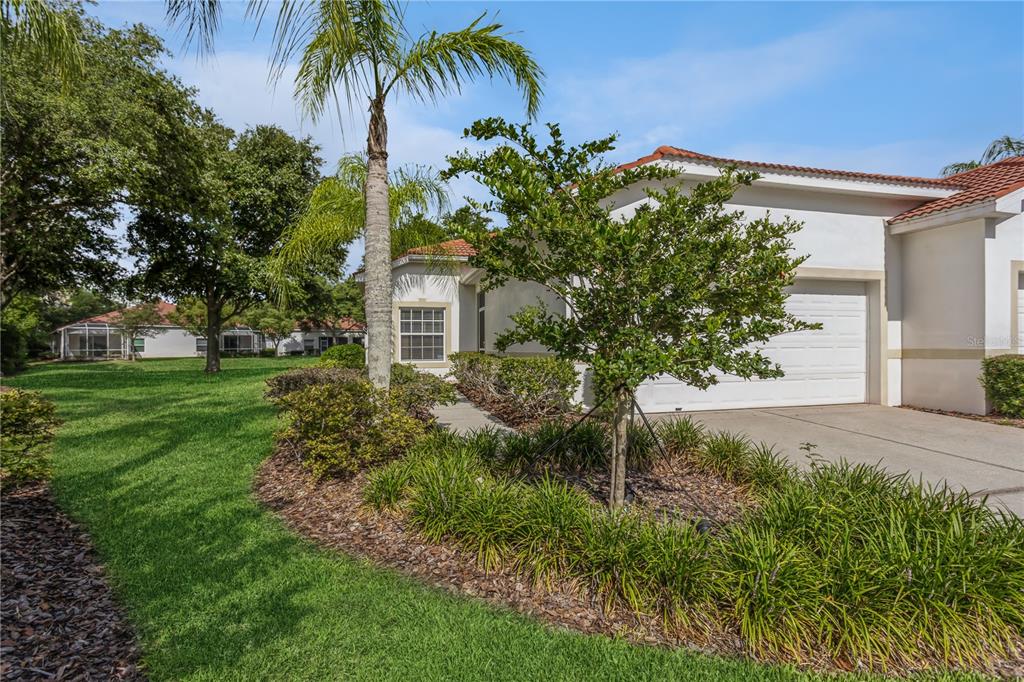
<point>674,94</point>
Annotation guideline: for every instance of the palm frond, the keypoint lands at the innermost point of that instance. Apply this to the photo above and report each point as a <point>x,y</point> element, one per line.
<point>198,19</point>
<point>1003,148</point>
<point>417,189</point>
<point>440,63</point>
<point>46,31</point>
<point>961,167</point>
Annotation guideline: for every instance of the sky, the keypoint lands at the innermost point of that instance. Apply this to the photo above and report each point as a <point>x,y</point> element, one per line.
<point>902,88</point>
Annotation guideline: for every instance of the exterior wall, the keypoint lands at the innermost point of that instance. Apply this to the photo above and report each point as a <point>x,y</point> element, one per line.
<point>505,301</point>
<point>433,286</point>
<point>170,342</point>
<point>943,307</point>
<point>1004,258</point>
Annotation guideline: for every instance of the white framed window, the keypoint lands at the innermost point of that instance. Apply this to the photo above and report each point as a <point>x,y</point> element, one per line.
<point>139,345</point>
<point>421,334</point>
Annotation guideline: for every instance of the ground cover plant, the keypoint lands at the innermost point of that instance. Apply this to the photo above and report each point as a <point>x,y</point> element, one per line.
<point>156,461</point>
<point>844,564</point>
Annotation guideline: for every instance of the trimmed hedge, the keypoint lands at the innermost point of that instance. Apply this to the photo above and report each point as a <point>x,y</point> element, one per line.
<point>1002,377</point>
<point>525,388</point>
<point>348,356</point>
<point>26,429</point>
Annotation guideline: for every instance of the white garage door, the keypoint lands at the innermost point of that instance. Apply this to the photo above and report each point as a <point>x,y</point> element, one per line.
<point>826,366</point>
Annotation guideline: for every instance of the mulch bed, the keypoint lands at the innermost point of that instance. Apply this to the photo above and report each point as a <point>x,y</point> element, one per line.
<point>502,410</point>
<point>330,512</point>
<point>990,418</point>
<point>60,621</point>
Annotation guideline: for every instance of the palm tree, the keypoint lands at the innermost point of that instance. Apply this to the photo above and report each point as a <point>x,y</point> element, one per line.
<point>350,50</point>
<point>1001,148</point>
<point>49,32</point>
<point>336,212</point>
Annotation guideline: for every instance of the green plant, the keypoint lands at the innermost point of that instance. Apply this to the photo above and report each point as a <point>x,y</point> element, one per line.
<point>768,469</point>
<point>475,372</point>
<point>268,353</point>
<point>642,451</point>
<point>419,392</point>
<point>680,436</point>
<point>27,425</point>
<point>347,355</point>
<point>725,454</point>
<point>340,428</point>
<point>280,385</point>
<point>1003,379</point>
<point>540,386</point>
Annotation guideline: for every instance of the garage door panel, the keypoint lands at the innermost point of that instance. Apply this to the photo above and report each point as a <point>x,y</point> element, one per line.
<point>822,366</point>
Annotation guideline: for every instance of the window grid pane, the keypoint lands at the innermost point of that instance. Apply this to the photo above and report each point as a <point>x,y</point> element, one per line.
<point>421,334</point>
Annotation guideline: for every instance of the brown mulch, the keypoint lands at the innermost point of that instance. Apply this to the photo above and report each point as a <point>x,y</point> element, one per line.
<point>503,410</point>
<point>60,621</point>
<point>330,512</point>
<point>990,418</point>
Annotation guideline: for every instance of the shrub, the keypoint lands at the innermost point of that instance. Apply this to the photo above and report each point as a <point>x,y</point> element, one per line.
<point>13,349</point>
<point>342,427</point>
<point>419,392</point>
<point>725,454</point>
<point>280,385</point>
<point>268,353</point>
<point>542,386</point>
<point>1002,377</point>
<point>475,372</point>
<point>348,356</point>
<point>768,469</point>
<point>26,431</point>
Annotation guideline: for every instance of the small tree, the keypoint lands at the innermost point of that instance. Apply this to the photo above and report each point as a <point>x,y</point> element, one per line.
<point>138,322</point>
<point>680,287</point>
<point>273,322</point>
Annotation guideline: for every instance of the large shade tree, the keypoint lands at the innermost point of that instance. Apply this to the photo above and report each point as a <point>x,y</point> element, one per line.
<point>682,286</point>
<point>73,157</point>
<point>213,239</point>
<point>360,52</point>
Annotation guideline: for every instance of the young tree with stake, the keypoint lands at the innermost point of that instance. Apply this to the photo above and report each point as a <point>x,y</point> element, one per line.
<point>681,287</point>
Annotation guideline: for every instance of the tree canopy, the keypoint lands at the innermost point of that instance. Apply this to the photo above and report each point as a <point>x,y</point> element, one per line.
<point>73,157</point>
<point>680,286</point>
<point>1001,148</point>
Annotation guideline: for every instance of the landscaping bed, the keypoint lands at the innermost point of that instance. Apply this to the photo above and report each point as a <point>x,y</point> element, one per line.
<point>1001,420</point>
<point>59,618</point>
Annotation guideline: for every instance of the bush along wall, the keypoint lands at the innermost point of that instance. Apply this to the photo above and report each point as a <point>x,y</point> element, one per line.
<point>1002,377</point>
<point>520,390</point>
<point>845,563</point>
<point>347,355</point>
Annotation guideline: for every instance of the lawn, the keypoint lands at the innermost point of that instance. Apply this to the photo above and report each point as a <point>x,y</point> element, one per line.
<point>157,460</point>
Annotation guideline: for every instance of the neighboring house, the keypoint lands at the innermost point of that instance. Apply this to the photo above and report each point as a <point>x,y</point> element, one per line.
<point>914,281</point>
<point>99,338</point>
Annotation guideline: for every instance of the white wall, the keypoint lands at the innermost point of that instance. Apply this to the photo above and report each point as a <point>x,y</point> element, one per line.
<point>1004,244</point>
<point>943,308</point>
<point>507,300</point>
<point>172,342</point>
<point>428,284</point>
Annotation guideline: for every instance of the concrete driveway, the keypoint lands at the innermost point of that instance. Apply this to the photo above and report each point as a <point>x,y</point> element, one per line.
<point>981,457</point>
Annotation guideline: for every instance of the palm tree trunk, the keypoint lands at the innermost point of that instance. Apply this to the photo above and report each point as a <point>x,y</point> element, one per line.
<point>617,481</point>
<point>213,322</point>
<point>378,294</point>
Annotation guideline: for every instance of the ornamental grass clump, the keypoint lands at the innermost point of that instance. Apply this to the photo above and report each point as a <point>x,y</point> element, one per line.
<point>726,454</point>
<point>681,436</point>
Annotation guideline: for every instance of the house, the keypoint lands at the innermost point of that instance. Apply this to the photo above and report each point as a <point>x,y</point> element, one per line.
<point>913,280</point>
<point>100,338</point>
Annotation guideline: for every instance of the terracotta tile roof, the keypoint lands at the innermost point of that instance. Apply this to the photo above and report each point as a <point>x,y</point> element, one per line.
<point>669,151</point>
<point>342,324</point>
<point>458,248</point>
<point>981,184</point>
<point>163,307</point>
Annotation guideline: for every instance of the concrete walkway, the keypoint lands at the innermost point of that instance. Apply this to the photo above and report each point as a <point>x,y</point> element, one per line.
<point>464,416</point>
<point>981,457</point>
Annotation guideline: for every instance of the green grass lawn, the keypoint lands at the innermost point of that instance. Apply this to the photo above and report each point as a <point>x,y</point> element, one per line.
<point>157,460</point>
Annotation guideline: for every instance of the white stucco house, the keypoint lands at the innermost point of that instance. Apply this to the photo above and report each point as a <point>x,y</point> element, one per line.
<point>100,338</point>
<point>914,281</point>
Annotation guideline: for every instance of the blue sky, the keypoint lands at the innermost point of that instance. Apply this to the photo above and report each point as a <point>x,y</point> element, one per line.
<point>890,87</point>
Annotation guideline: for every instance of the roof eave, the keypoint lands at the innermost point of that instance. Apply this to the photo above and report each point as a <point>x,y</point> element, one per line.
<point>990,207</point>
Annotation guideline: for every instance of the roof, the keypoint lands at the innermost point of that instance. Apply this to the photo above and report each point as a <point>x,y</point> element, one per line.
<point>980,184</point>
<point>342,324</point>
<point>458,248</point>
<point>164,308</point>
<point>669,151</point>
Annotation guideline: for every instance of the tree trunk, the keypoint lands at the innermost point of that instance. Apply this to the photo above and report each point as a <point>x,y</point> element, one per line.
<point>378,250</point>
<point>620,420</point>
<point>213,322</point>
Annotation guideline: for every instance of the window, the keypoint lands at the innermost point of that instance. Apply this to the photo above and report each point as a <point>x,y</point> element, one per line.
<point>481,333</point>
<point>237,343</point>
<point>200,345</point>
<point>139,345</point>
<point>421,331</point>
<point>308,346</point>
